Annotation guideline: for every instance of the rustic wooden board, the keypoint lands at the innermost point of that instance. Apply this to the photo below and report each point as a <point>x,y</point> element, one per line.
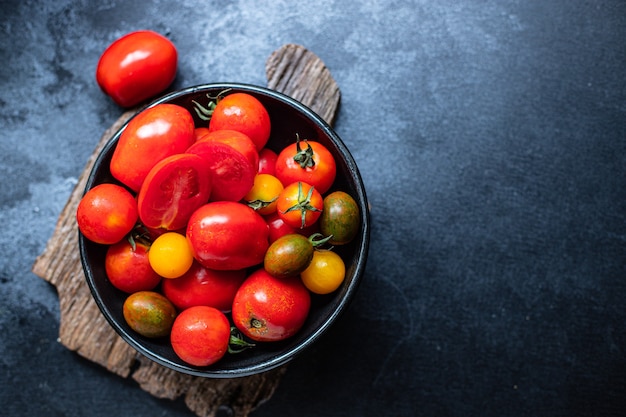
<point>293,70</point>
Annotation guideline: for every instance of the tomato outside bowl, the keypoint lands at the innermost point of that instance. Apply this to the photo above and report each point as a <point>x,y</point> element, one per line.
<point>288,117</point>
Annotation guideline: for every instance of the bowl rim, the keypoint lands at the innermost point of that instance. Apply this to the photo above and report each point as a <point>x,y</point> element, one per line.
<point>361,251</point>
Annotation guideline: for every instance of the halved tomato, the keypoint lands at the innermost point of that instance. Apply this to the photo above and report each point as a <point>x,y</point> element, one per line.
<point>232,175</point>
<point>173,189</point>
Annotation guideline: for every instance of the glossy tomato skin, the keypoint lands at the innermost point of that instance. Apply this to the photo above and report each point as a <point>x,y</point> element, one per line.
<point>267,161</point>
<point>152,135</point>
<point>288,256</point>
<point>307,161</point>
<point>267,308</point>
<point>106,213</point>
<point>277,227</point>
<point>244,113</point>
<point>128,267</point>
<point>203,286</point>
<point>149,313</point>
<point>340,218</point>
<point>300,205</point>
<point>200,335</point>
<point>137,66</point>
<point>227,235</point>
<point>239,141</point>
<point>173,189</point>
<point>232,175</point>
<point>325,273</point>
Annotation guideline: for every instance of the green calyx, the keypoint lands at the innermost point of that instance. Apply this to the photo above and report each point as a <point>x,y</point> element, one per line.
<point>303,204</point>
<point>236,343</point>
<point>304,157</point>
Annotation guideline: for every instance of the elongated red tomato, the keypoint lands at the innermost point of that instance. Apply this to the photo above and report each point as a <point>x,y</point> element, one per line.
<point>227,235</point>
<point>173,189</point>
<point>232,174</point>
<point>137,66</point>
<point>152,135</point>
<point>244,113</point>
<point>237,140</point>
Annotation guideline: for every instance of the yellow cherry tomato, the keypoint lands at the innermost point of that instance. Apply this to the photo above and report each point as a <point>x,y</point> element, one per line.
<point>264,193</point>
<point>325,273</point>
<point>170,255</point>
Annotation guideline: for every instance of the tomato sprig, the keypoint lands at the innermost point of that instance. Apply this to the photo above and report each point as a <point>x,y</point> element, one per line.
<point>205,112</point>
<point>236,342</point>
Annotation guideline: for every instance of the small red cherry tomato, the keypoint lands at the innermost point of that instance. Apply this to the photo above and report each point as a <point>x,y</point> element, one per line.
<point>307,161</point>
<point>136,67</point>
<point>203,286</point>
<point>200,131</point>
<point>239,141</point>
<point>173,189</point>
<point>244,113</point>
<point>152,135</point>
<point>200,335</point>
<point>270,309</point>
<point>278,227</point>
<point>267,161</point>
<point>128,268</point>
<point>232,175</point>
<point>227,235</point>
<point>299,205</point>
<point>106,213</point>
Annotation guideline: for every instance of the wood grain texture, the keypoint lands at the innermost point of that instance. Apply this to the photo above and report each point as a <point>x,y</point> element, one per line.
<point>292,70</point>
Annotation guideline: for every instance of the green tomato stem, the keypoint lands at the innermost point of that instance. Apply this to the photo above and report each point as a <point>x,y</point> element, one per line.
<point>236,343</point>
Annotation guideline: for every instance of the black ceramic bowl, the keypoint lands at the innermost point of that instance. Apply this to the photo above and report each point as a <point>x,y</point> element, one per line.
<point>288,117</point>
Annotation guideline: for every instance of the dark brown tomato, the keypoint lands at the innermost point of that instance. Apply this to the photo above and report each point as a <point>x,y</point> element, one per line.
<point>340,218</point>
<point>288,256</point>
<point>149,313</point>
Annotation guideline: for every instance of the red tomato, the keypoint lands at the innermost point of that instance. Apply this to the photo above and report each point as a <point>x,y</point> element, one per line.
<point>267,161</point>
<point>203,286</point>
<point>200,335</point>
<point>200,131</point>
<point>128,267</point>
<point>137,66</point>
<point>277,227</point>
<point>152,135</point>
<point>310,162</point>
<point>232,175</point>
<point>270,309</point>
<point>244,113</point>
<point>173,189</point>
<point>227,235</point>
<point>300,205</point>
<point>106,213</point>
<point>237,140</point>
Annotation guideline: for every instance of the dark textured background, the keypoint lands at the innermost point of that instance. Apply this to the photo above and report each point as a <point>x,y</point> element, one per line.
<point>491,135</point>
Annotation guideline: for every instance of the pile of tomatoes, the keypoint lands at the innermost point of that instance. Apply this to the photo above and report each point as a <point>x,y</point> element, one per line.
<point>218,241</point>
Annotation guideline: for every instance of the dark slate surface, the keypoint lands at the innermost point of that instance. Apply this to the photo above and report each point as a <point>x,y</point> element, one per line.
<point>492,139</point>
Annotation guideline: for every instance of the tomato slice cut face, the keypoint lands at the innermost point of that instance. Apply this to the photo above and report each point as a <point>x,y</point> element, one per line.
<point>173,190</point>
<point>232,174</point>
